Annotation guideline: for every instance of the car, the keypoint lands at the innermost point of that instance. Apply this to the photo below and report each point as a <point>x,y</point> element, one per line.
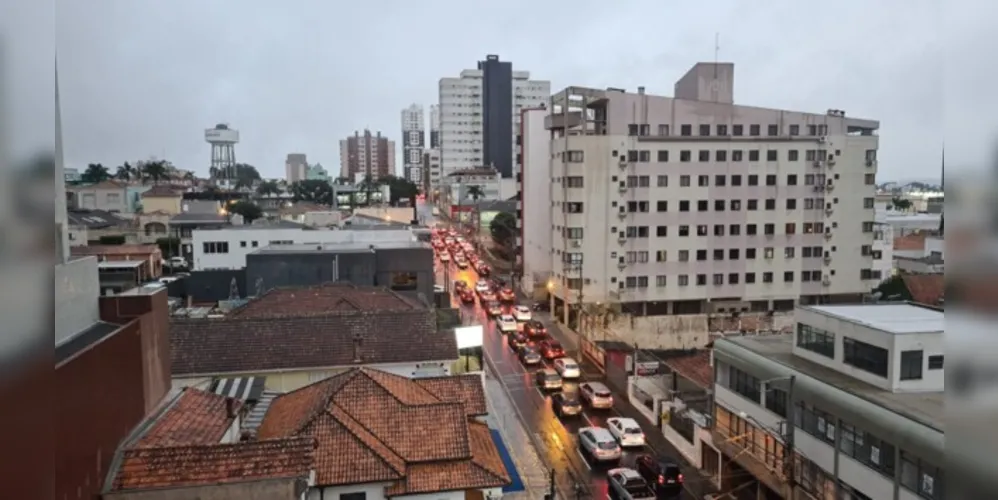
<point>462,263</point>
<point>596,395</point>
<point>487,297</point>
<point>460,285</point>
<point>627,484</point>
<point>664,476</point>
<point>521,313</point>
<point>506,295</point>
<point>467,297</point>
<point>493,309</point>
<point>566,404</point>
<point>516,340</point>
<point>444,257</point>
<point>548,379</point>
<point>506,323</point>
<point>627,431</point>
<point>483,286</point>
<point>551,349</point>
<point>598,444</point>
<point>567,368</point>
<point>535,329</point>
<point>529,356</point>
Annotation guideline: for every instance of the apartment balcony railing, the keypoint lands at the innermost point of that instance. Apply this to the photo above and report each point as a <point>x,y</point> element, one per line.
<point>754,449</point>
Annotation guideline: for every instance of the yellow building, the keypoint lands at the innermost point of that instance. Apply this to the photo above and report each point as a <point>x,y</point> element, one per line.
<point>162,198</point>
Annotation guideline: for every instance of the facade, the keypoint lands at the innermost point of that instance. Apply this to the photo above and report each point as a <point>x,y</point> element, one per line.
<point>435,126</point>
<point>757,208</point>
<point>433,180</point>
<point>72,175</point>
<point>367,155</point>
<point>163,198</point>
<point>227,247</point>
<point>883,250</point>
<point>413,142</point>
<point>110,196</point>
<point>317,173</point>
<point>533,200</point>
<point>480,112</point>
<point>405,267</point>
<point>905,223</point>
<point>295,167</point>
<point>860,387</point>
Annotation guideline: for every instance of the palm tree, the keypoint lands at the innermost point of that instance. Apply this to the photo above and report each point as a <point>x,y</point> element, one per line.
<point>189,177</point>
<point>476,193</point>
<point>95,173</point>
<point>126,172</point>
<point>155,170</point>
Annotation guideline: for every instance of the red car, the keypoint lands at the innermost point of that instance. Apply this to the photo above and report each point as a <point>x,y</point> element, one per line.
<point>535,329</point>
<point>551,349</point>
<point>467,296</point>
<point>483,269</point>
<point>506,295</point>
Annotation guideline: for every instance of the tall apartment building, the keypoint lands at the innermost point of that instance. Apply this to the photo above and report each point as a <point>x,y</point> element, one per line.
<point>296,167</point>
<point>432,172</point>
<point>480,113</point>
<point>534,242</point>
<point>859,388</point>
<point>434,126</point>
<point>695,205</point>
<point>413,141</point>
<point>367,154</point>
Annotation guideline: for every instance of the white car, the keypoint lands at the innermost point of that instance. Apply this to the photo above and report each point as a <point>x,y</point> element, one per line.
<point>506,323</point>
<point>483,286</point>
<point>522,313</point>
<point>567,368</point>
<point>444,257</point>
<point>626,431</point>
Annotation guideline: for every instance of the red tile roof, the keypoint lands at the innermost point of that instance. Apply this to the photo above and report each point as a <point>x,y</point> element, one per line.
<point>162,191</point>
<point>324,299</point>
<point>196,418</point>
<point>695,367</point>
<point>913,241</point>
<point>925,289</point>
<point>373,426</point>
<point>194,465</point>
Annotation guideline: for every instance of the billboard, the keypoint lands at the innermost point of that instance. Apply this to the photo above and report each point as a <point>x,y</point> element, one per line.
<point>469,336</point>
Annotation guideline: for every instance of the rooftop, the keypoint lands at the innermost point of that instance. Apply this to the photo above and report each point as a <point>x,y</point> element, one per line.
<point>351,246</point>
<point>199,218</point>
<point>323,300</point>
<point>695,367</point>
<point>897,319</point>
<point>136,250</point>
<point>913,241</point>
<point>163,191</point>
<point>94,219</point>
<point>75,344</point>
<point>372,426</point>
<point>926,408</point>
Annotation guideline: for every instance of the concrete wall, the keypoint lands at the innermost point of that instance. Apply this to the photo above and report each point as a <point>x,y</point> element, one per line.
<point>389,214</point>
<point>688,331</point>
<point>77,289</point>
<point>281,489</point>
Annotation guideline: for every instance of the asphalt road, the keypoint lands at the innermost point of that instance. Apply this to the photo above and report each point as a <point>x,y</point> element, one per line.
<point>558,436</point>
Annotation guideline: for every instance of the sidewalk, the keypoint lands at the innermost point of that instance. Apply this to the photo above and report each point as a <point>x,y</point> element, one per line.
<point>502,417</point>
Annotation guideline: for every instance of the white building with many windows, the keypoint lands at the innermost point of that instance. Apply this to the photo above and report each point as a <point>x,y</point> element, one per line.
<point>860,387</point>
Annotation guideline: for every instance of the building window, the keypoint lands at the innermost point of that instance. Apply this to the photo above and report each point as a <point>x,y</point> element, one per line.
<point>817,423</point>
<point>404,281</point>
<point>353,496</point>
<point>816,340</point>
<point>574,182</point>
<point>920,476</point>
<point>936,362</point>
<point>215,247</point>
<point>744,384</point>
<point>911,365</point>
<point>776,401</point>
<point>576,157</point>
<point>866,357</point>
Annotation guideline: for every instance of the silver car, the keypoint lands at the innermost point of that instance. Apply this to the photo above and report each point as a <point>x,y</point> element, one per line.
<point>548,379</point>
<point>596,395</point>
<point>599,444</point>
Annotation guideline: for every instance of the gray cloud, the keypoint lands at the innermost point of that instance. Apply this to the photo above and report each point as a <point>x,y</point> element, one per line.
<point>145,78</point>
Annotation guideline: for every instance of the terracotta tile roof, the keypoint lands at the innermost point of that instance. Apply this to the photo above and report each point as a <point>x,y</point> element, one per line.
<point>116,250</point>
<point>162,191</point>
<point>373,426</point>
<point>196,417</point>
<point>913,241</point>
<point>925,289</point>
<point>695,367</point>
<point>324,299</point>
<point>219,346</point>
<point>467,389</point>
<point>105,184</point>
<point>179,466</point>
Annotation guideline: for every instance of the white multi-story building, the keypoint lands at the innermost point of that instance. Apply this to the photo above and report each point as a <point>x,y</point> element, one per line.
<point>533,205</point>
<point>479,115</point>
<point>882,251</point>
<point>695,205</point>
<point>431,165</point>
<point>413,141</point>
<point>227,247</point>
<point>434,126</point>
<point>861,389</point>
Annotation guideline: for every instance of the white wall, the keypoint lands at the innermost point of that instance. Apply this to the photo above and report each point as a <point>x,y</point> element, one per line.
<point>376,491</point>
<point>536,202</point>
<point>241,242</point>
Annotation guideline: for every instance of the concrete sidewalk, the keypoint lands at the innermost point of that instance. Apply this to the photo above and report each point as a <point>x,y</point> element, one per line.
<point>502,417</point>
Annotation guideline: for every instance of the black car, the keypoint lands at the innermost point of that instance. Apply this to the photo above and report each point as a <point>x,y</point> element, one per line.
<point>566,404</point>
<point>664,476</point>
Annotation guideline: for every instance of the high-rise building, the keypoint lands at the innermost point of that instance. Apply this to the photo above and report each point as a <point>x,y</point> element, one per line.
<point>367,155</point>
<point>534,236</point>
<point>480,113</point>
<point>431,172</point>
<point>434,126</point>
<point>704,206</point>
<point>296,167</point>
<point>413,141</point>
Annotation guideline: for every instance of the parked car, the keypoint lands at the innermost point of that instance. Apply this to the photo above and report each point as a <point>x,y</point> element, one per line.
<point>567,368</point>
<point>627,484</point>
<point>535,329</point>
<point>598,444</point>
<point>627,431</point>
<point>506,323</point>
<point>462,263</point>
<point>460,285</point>
<point>596,395</point>
<point>529,356</point>
<point>548,379</point>
<point>566,404</point>
<point>521,313</point>
<point>665,476</point>
<point>551,349</point>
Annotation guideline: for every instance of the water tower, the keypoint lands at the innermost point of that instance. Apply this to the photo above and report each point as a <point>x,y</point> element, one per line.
<point>223,150</point>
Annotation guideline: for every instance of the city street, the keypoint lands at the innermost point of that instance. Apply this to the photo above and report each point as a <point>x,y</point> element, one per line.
<point>556,436</point>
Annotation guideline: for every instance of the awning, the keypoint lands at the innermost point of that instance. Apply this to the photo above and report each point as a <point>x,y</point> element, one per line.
<point>242,388</point>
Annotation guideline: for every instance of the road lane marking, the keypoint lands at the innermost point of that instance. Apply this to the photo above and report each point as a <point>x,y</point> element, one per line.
<point>589,423</point>
<point>541,392</point>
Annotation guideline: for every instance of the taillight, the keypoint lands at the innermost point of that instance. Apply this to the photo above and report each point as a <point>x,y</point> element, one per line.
<point>680,478</point>
<point>661,479</point>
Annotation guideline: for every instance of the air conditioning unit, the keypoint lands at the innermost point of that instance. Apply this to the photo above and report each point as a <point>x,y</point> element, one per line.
<point>621,265</point>
<point>816,163</point>
<point>831,162</point>
<point>621,237</point>
<point>827,257</point>
<point>828,211</point>
<point>622,161</point>
<point>830,187</point>
<point>828,234</point>
<point>622,188</point>
<point>622,213</point>
<point>822,140</point>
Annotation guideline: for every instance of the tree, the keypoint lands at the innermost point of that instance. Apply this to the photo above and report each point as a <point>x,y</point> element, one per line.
<point>902,204</point>
<point>155,170</point>
<point>126,172</point>
<point>246,175</point>
<point>503,229</point>
<point>250,211</point>
<point>369,185</point>
<point>268,187</point>
<point>189,177</point>
<point>476,193</point>
<point>95,173</point>
<point>313,190</point>
<point>400,189</point>
<point>112,239</point>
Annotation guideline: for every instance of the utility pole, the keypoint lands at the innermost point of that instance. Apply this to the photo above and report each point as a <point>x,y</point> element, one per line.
<point>788,438</point>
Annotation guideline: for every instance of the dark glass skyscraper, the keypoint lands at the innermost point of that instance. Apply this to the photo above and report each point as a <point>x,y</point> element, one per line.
<point>497,114</point>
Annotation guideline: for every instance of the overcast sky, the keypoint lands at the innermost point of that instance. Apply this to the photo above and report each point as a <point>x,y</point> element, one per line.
<point>142,78</point>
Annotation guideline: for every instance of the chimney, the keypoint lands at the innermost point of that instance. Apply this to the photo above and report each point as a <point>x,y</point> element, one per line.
<point>358,340</point>
<point>230,407</point>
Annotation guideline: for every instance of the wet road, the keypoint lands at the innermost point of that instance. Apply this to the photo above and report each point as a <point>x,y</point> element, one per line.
<point>557,436</point>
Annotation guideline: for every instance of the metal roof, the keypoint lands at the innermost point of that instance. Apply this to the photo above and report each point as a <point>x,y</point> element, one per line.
<point>119,264</point>
<point>896,319</point>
